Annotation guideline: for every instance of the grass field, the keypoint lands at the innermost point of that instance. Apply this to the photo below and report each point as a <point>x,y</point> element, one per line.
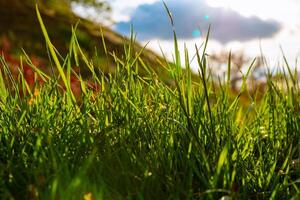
<point>140,138</point>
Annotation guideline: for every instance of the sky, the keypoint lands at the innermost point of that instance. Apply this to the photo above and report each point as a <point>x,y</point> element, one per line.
<point>250,26</point>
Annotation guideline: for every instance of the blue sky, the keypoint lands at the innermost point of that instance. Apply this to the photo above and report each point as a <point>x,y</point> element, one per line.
<point>192,18</point>
<point>237,25</point>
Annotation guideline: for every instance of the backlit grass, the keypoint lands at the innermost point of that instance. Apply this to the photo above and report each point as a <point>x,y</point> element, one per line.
<point>141,138</point>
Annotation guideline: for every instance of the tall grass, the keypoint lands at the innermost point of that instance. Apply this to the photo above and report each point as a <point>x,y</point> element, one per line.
<point>140,138</point>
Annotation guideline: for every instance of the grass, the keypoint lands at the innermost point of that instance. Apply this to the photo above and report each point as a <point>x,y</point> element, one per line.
<point>140,138</point>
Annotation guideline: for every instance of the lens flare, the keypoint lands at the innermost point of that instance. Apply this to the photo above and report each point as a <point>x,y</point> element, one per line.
<point>206,17</point>
<point>196,33</point>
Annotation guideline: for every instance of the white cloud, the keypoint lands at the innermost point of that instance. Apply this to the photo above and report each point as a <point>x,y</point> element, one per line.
<point>122,9</point>
<point>286,11</point>
<point>151,21</point>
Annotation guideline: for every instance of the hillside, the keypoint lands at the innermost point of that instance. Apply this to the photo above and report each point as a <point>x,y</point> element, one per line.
<point>19,25</point>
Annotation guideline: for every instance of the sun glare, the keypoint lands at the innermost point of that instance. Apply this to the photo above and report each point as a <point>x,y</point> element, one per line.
<point>244,6</point>
<point>266,9</point>
<point>219,3</point>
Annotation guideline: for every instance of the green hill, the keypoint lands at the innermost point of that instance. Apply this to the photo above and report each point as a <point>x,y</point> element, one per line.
<point>19,24</point>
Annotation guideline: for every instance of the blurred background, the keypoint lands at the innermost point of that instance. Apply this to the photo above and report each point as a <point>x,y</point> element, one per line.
<point>249,28</point>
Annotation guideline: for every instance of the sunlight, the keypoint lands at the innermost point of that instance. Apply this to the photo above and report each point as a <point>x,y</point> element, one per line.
<point>243,7</point>
<point>281,10</point>
<point>219,3</point>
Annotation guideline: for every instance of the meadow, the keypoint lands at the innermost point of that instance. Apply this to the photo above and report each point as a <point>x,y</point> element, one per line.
<point>138,137</point>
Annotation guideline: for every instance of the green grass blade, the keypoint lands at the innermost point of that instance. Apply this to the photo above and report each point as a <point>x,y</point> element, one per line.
<point>54,56</point>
